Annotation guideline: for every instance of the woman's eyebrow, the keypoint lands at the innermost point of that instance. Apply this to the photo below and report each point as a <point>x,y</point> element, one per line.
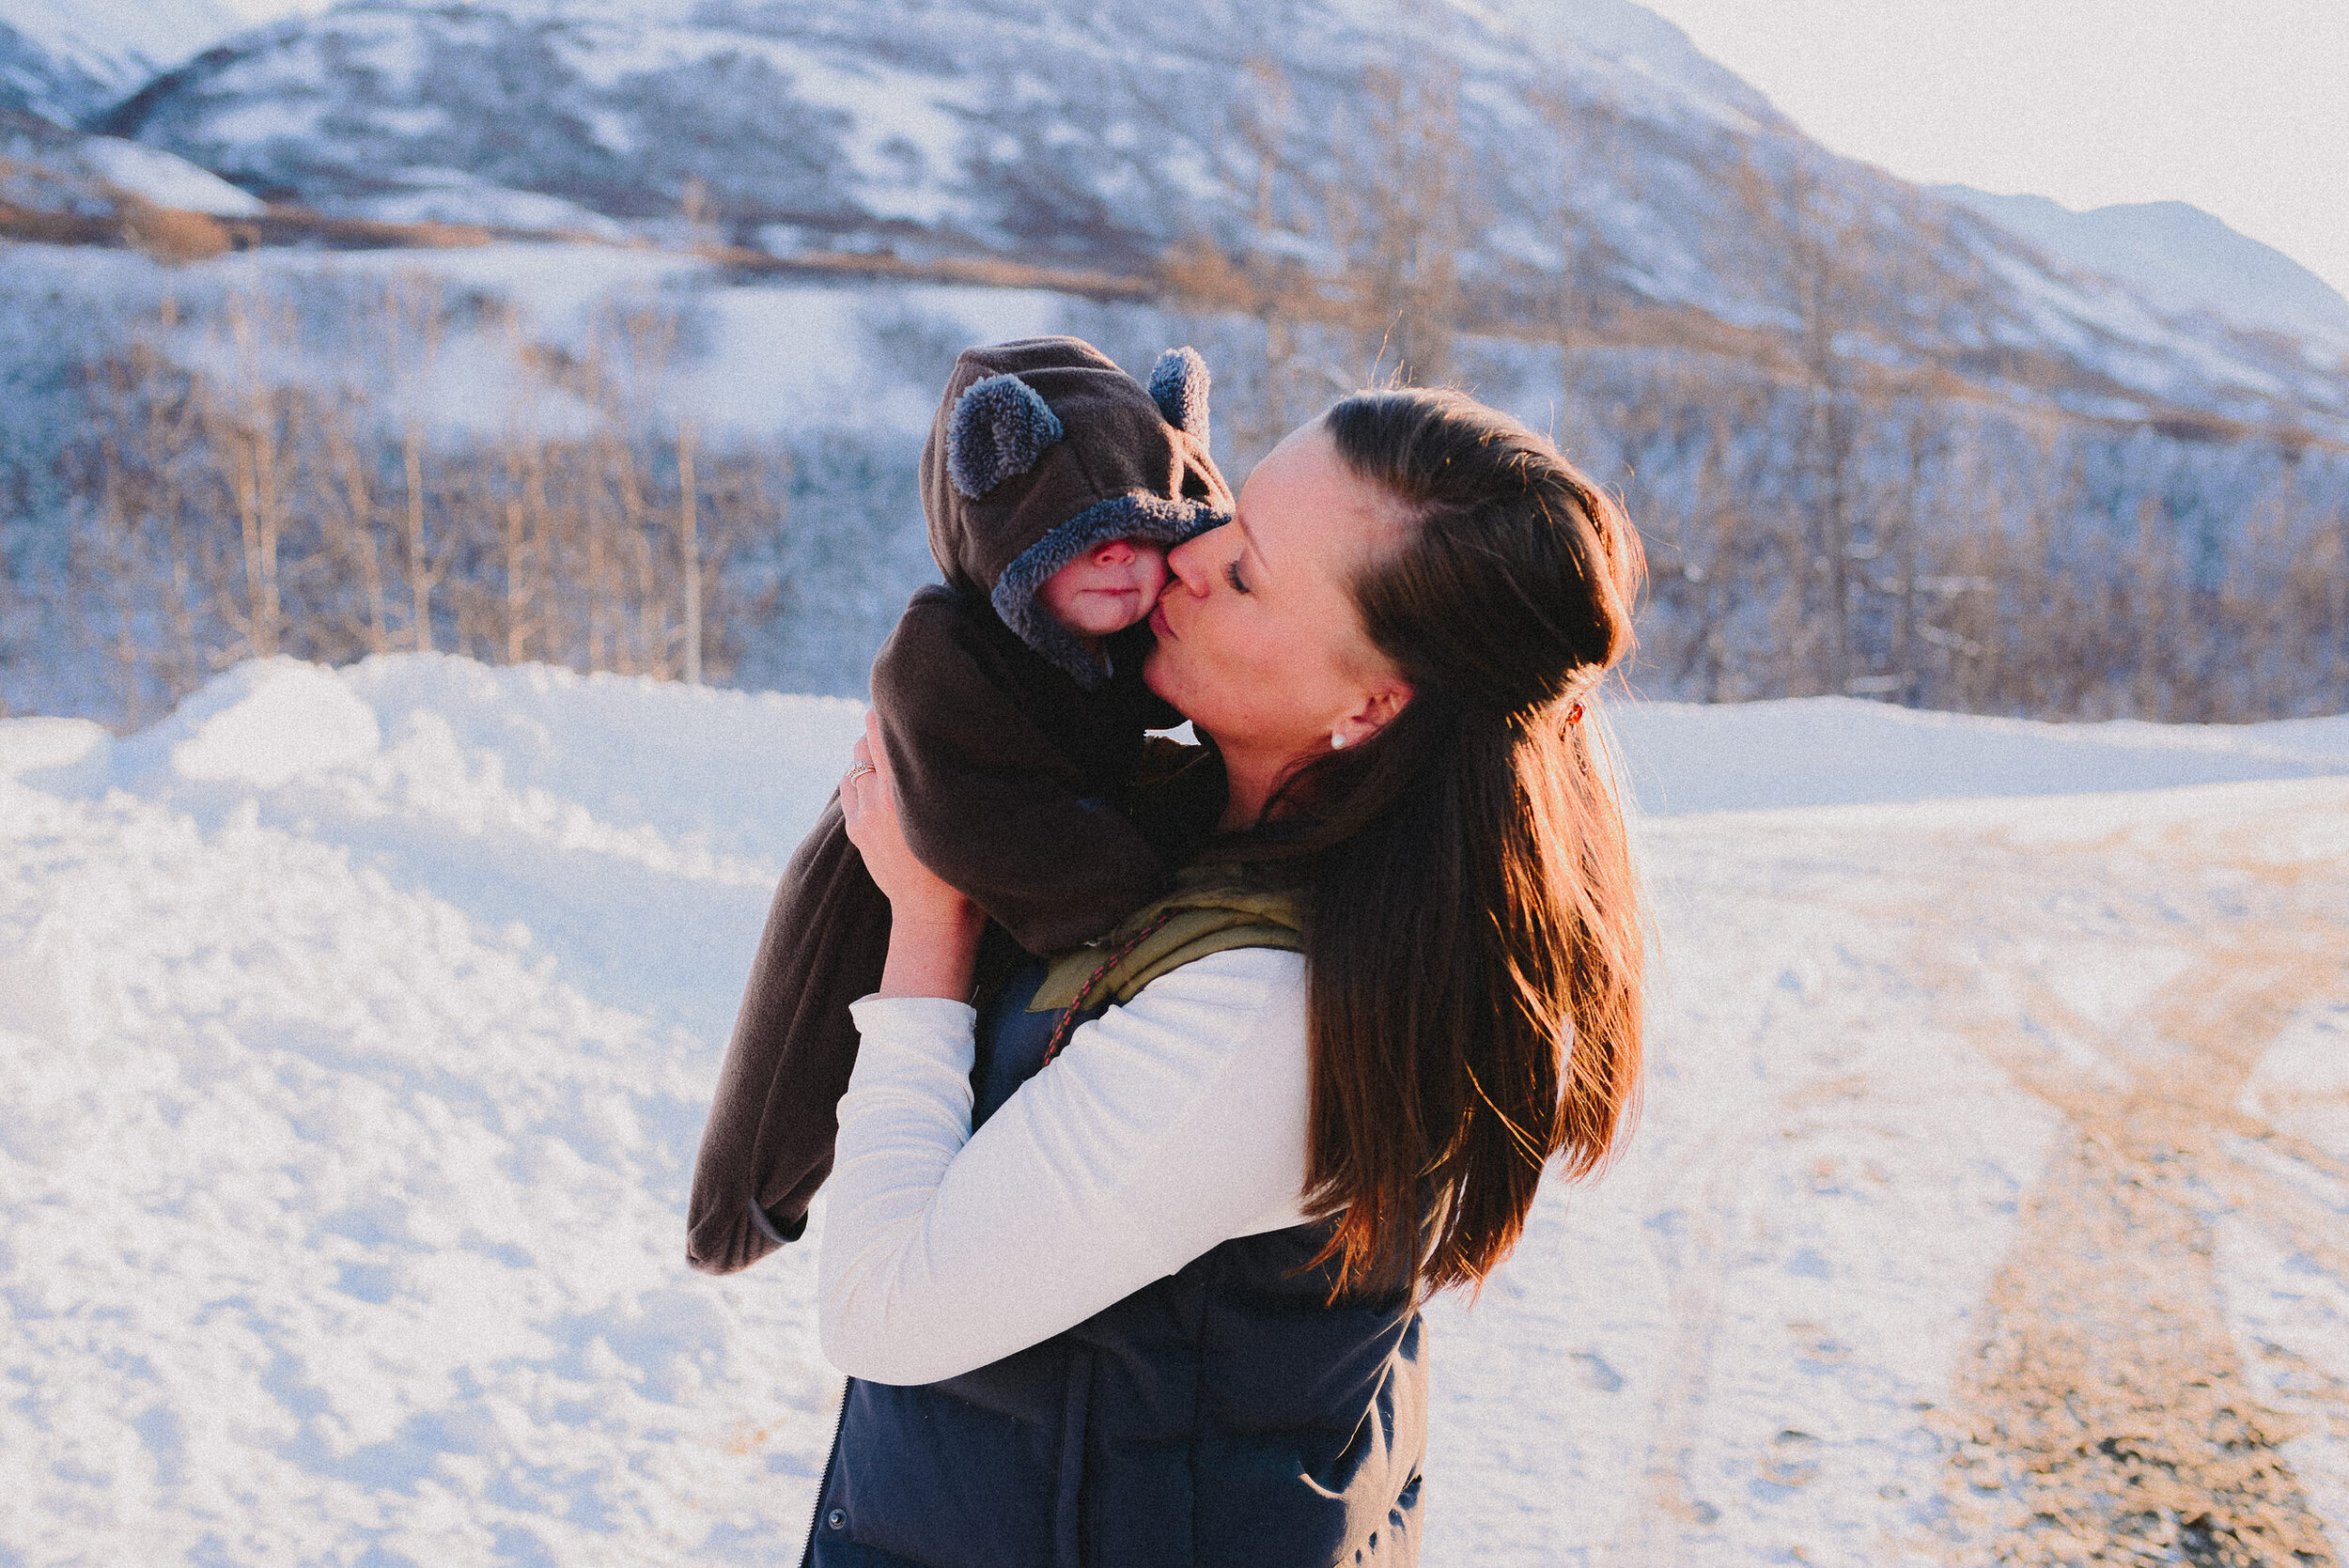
<point>1248,540</point>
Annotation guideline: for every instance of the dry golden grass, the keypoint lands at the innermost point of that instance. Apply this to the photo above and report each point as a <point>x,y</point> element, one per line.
<point>169,234</point>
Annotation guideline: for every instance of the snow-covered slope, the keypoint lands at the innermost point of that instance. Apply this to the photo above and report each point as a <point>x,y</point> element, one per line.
<point>1598,151</point>
<point>49,168</point>
<point>355,1030</point>
<point>94,170</point>
<point>66,58</point>
<point>1642,44</point>
<point>2181,258</point>
<point>164,179</point>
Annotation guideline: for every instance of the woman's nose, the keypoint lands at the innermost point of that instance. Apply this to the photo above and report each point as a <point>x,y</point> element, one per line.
<point>1187,564</point>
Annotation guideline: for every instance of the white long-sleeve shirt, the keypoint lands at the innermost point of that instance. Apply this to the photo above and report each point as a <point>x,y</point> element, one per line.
<point>1164,1127</point>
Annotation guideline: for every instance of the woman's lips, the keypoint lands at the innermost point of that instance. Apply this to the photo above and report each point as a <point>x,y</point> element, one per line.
<point>1158,620</point>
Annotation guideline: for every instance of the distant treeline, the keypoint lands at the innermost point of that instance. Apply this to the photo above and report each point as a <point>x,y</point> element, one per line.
<point>230,502</point>
<point>1880,538</point>
<point>1890,535</point>
<point>274,472</point>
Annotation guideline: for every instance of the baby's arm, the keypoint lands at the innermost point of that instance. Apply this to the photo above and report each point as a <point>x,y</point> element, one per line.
<point>989,803</point>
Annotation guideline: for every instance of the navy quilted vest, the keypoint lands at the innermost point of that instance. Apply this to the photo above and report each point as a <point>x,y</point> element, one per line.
<point>1223,1417</point>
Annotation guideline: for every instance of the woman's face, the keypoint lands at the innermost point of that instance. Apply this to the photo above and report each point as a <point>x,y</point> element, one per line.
<point>1260,643</point>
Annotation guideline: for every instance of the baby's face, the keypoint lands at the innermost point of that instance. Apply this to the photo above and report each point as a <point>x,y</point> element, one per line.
<point>1107,588</point>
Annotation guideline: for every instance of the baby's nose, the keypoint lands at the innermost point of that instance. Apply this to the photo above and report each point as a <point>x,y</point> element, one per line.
<point>1115,554</point>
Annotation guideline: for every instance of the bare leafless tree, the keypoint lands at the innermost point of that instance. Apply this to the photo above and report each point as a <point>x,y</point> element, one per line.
<point>236,511</point>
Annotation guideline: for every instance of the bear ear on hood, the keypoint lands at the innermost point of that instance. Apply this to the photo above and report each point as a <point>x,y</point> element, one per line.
<point>1000,428</point>
<point>1179,385</point>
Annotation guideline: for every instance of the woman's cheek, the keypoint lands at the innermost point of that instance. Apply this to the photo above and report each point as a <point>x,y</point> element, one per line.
<point>1155,666</point>
<point>1176,672</point>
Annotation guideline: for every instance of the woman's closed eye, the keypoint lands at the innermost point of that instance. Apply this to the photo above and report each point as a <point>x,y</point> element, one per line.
<point>1231,575</point>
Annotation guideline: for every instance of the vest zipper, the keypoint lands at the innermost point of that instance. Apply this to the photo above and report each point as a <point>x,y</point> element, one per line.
<point>832,1455</point>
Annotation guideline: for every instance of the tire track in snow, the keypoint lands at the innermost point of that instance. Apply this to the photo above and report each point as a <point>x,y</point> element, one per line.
<point>2108,1416</point>
<point>1673,1510</point>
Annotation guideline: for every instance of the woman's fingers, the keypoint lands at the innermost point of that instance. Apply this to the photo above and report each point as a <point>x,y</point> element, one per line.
<point>869,802</point>
<point>871,807</point>
<point>856,785</point>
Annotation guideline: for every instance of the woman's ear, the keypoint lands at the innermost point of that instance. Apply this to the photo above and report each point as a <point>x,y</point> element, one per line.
<point>1379,703</point>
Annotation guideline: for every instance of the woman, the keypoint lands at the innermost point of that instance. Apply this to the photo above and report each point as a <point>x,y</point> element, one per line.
<point>1161,1306</point>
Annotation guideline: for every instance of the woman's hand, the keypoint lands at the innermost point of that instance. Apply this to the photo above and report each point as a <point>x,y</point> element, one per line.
<point>933,929</point>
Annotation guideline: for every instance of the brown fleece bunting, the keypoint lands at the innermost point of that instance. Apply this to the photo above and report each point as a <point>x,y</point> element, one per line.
<point>1012,746</point>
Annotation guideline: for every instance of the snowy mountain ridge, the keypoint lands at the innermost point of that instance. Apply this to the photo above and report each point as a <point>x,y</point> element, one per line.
<point>63,60</point>
<point>1600,153</point>
<point>1638,40</point>
<point>2179,256</point>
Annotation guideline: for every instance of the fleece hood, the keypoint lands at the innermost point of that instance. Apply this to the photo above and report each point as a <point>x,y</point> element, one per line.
<point>1043,448</point>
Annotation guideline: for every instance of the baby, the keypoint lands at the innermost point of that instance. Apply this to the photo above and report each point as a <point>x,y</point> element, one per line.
<point>1105,590</point>
<point>1011,704</point>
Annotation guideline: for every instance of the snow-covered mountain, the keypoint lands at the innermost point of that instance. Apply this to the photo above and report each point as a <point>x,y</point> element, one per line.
<point>62,59</point>
<point>1575,147</point>
<point>2180,257</point>
<point>1648,259</point>
<point>1641,43</point>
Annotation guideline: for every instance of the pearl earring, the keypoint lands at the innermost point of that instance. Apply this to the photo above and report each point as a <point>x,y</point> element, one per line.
<point>1337,740</point>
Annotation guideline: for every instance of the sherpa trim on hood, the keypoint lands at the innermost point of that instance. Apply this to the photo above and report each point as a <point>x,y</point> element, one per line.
<point>1121,517</point>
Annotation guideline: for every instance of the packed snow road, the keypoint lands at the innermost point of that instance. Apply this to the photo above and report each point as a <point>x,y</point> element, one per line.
<point>355,1030</point>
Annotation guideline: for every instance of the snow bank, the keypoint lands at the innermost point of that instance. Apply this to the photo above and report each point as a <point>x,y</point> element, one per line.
<point>1681,757</point>
<point>346,1111</point>
<point>454,197</point>
<point>356,1028</point>
<point>265,724</point>
<point>339,1224</point>
<point>706,775</point>
<point>615,820</point>
<point>164,180</point>
<point>57,754</point>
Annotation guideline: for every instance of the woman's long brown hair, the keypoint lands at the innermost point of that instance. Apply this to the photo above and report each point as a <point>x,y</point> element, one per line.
<point>1474,942</point>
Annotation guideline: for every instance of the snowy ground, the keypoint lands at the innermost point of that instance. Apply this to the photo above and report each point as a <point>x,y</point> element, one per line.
<point>355,1030</point>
